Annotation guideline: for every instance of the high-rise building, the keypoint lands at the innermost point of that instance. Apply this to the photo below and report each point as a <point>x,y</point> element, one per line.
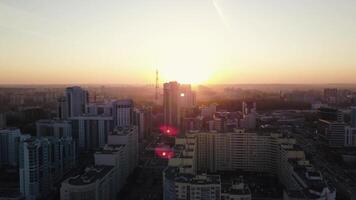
<point>9,146</point>
<point>180,180</point>
<point>129,137</point>
<point>171,104</point>
<point>353,117</point>
<point>248,120</point>
<point>56,128</point>
<point>63,110</point>
<point>2,120</point>
<point>77,100</point>
<point>139,121</point>
<point>105,108</point>
<point>350,136</point>
<point>95,183</point>
<point>123,112</point>
<point>91,130</point>
<point>187,97</point>
<point>143,121</point>
<point>177,100</point>
<point>42,162</point>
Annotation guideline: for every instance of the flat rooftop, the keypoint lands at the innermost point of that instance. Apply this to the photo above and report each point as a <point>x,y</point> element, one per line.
<point>173,173</point>
<point>90,175</point>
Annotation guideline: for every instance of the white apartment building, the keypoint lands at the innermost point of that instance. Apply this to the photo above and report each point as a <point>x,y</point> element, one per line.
<point>127,136</point>
<point>180,180</point>
<point>261,152</point>
<point>42,162</point>
<point>123,112</point>
<point>76,101</point>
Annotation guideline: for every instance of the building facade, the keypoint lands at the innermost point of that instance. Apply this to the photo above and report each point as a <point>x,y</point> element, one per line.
<point>171,104</point>
<point>56,128</point>
<point>91,131</point>
<point>9,146</point>
<point>77,100</point>
<point>43,161</point>
<point>129,137</point>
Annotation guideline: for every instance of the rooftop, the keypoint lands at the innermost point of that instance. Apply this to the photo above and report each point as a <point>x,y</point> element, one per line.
<point>110,149</point>
<point>236,188</point>
<point>122,130</point>
<point>173,173</point>
<point>90,175</point>
<point>53,121</point>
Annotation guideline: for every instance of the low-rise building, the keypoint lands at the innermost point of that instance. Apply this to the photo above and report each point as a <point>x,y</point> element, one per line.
<point>95,183</point>
<point>238,190</point>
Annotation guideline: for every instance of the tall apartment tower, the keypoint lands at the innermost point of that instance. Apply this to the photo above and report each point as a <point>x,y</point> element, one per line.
<point>77,100</point>
<point>63,112</point>
<point>353,117</point>
<point>171,104</point>
<point>187,97</point>
<point>249,115</point>
<point>123,112</point>
<point>42,162</point>
<point>2,120</point>
<point>9,146</point>
<point>127,136</point>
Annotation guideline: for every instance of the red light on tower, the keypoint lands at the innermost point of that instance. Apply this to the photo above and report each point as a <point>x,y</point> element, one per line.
<point>164,152</point>
<point>169,130</point>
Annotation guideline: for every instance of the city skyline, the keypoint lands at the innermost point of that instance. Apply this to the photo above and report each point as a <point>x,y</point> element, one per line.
<point>217,41</point>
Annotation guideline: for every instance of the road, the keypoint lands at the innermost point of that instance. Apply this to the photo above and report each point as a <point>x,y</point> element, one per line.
<point>338,176</point>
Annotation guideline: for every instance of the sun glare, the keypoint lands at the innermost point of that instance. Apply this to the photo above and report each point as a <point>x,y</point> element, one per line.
<point>186,61</point>
<point>187,74</point>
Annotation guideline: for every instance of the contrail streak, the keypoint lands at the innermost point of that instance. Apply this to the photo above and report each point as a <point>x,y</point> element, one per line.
<point>221,13</point>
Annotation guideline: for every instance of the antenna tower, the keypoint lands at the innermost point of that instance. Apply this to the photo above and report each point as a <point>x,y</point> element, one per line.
<point>157,86</point>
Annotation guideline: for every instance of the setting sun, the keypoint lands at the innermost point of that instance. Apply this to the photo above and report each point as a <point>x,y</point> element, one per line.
<point>187,74</point>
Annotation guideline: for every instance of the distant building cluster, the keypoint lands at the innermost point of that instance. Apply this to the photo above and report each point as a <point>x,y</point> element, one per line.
<point>109,131</point>
<point>93,145</point>
<point>333,129</point>
<point>212,143</point>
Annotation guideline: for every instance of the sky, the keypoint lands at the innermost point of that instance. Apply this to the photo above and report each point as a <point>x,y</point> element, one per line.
<point>191,41</point>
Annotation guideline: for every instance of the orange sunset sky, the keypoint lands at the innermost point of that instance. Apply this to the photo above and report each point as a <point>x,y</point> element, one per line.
<point>200,41</point>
